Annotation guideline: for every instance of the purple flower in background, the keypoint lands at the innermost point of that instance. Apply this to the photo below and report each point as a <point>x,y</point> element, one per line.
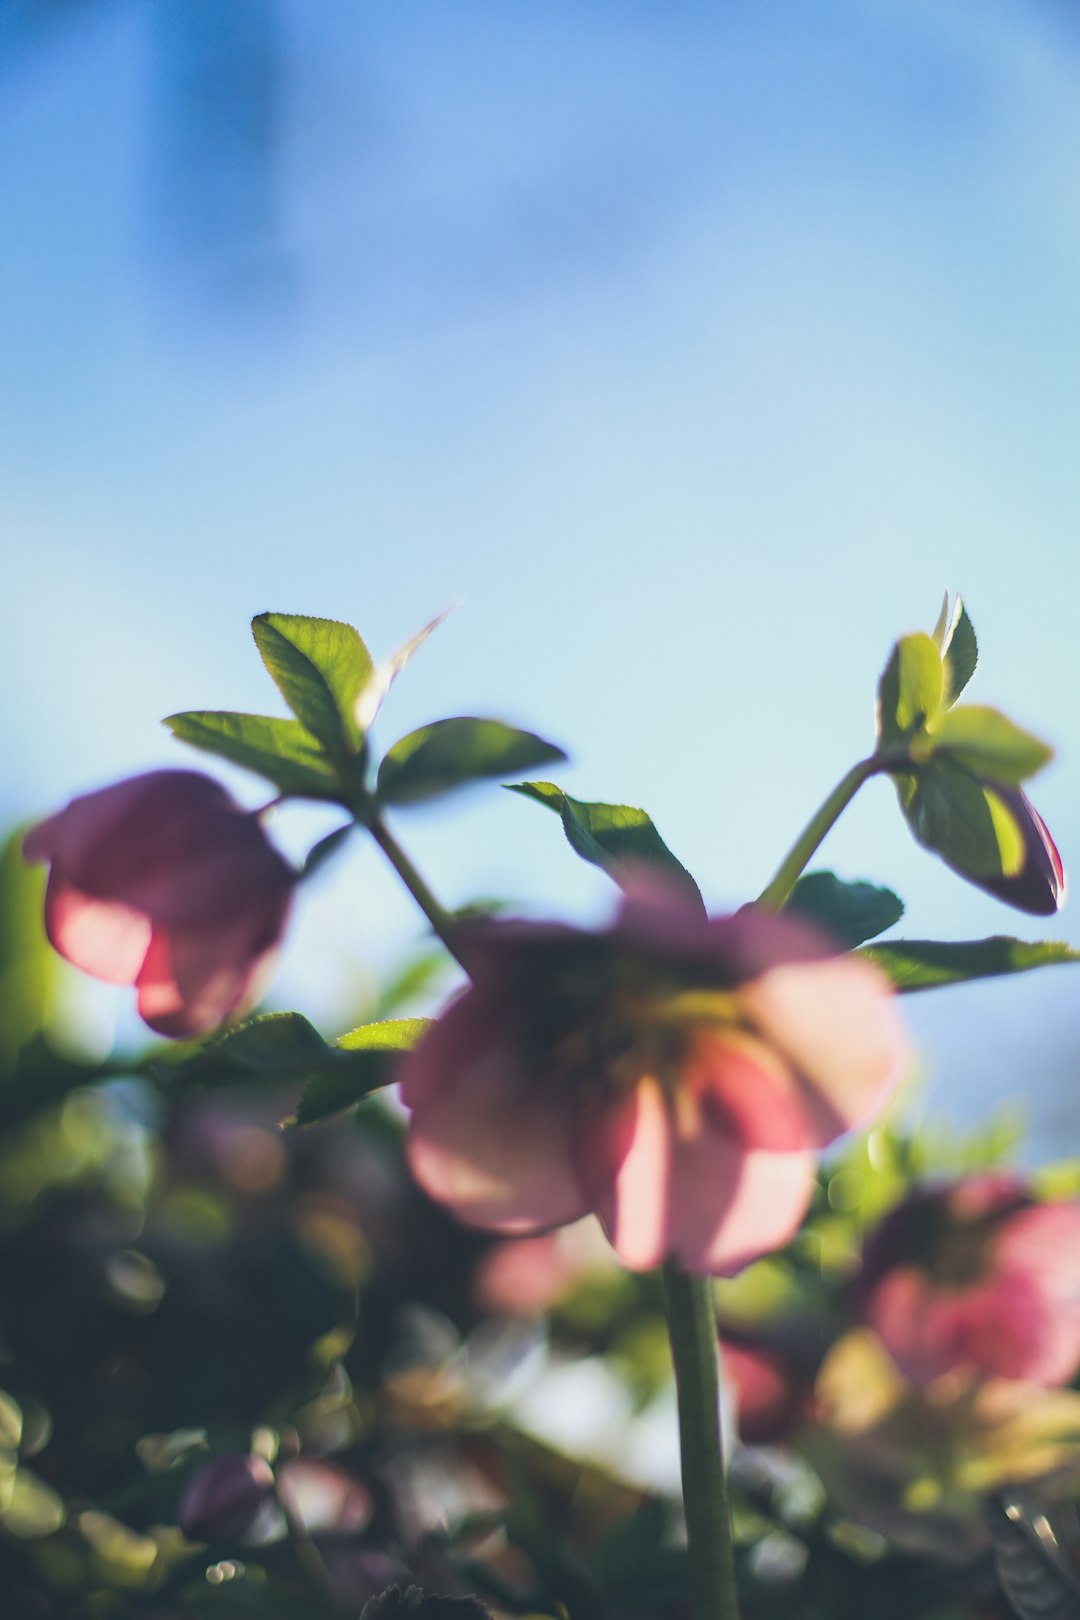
<point>977,1275</point>
<point>164,882</point>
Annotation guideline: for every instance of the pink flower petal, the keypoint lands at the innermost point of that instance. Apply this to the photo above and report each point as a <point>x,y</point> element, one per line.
<point>193,980</point>
<point>833,1022</point>
<point>687,1189</point>
<point>102,937</point>
<point>496,1148</point>
<point>629,1148</point>
<point>732,1206</point>
<point>160,1003</point>
<point>746,1089</point>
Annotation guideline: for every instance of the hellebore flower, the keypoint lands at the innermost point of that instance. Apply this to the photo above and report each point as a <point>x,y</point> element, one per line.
<point>673,1074</point>
<point>164,882</point>
<point>977,1276</point>
<point>1038,886</point>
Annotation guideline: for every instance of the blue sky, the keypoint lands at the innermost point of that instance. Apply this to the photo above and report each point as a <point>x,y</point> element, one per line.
<point>693,349</point>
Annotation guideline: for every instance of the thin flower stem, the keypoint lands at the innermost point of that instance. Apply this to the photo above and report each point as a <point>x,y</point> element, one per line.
<point>309,1559</point>
<point>776,893</point>
<point>691,1322</point>
<point>437,915</point>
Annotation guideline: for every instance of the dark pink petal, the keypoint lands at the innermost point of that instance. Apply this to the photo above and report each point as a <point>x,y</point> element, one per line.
<point>731,1205</point>
<point>627,1152</point>
<point>160,1002</point>
<point>724,951</point>
<point>686,1189</point>
<point>746,1090</point>
<point>475,1023</point>
<point>42,841</point>
<point>495,1147</point>
<point>1039,887</point>
<point>916,1322</point>
<point>770,1398</point>
<point>102,937</point>
<point>104,841</point>
<point>834,1023</point>
<point>193,979</point>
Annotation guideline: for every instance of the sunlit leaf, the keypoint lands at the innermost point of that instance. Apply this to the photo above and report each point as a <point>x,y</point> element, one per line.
<point>33,1508</point>
<point>280,750</point>
<point>320,667</point>
<point>27,964</point>
<point>959,651</point>
<point>373,1052</point>
<point>616,837</point>
<point>963,820</point>
<point>11,1422</point>
<point>280,1049</point>
<point>450,753</point>
<point>924,964</point>
<point>990,745</point>
<point>911,690</point>
<point>849,912</point>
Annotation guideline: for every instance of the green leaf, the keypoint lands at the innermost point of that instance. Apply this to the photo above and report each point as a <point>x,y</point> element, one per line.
<point>27,962</point>
<point>33,1509</point>
<point>280,750</point>
<point>371,1054</point>
<point>849,912</point>
<point>267,1050</point>
<point>963,820</point>
<point>326,848</point>
<point>959,651</point>
<point>284,1048</point>
<point>924,964</point>
<point>451,753</point>
<point>615,837</point>
<point>911,690</point>
<point>320,667</point>
<point>990,745</point>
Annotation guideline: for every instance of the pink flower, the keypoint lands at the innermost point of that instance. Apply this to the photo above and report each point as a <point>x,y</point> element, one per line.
<point>1039,886</point>
<point>164,882</point>
<point>673,1074</point>
<point>979,1276</point>
<point>771,1397</point>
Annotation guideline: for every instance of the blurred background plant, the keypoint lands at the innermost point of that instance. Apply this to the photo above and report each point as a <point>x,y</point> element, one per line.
<point>251,1370</point>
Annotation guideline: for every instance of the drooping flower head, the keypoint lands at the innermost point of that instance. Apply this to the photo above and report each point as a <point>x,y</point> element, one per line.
<point>673,1073</point>
<point>977,1275</point>
<point>164,882</point>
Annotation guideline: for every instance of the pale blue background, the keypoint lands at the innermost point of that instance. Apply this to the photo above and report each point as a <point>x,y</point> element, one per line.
<point>695,348</point>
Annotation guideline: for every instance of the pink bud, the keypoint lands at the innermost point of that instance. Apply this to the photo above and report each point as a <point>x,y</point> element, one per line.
<point>224,1496</point>
<point>164,882</point>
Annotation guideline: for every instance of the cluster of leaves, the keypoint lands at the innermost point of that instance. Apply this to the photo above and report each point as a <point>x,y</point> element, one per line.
<point>189,1271</point>
<point>335,690</point>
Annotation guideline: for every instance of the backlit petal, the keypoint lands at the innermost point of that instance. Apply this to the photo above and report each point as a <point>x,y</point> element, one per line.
<point>834,1023</point>
<point>496,1149</point>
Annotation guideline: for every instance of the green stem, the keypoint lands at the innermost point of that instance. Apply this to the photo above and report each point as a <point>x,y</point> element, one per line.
<point>309,1560</point>
<point>441,921</point>
<point>691,1320</point>
<point>775,893</point>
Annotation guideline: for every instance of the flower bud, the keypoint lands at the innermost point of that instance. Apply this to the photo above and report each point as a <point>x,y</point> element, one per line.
<point>224,1496</point>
